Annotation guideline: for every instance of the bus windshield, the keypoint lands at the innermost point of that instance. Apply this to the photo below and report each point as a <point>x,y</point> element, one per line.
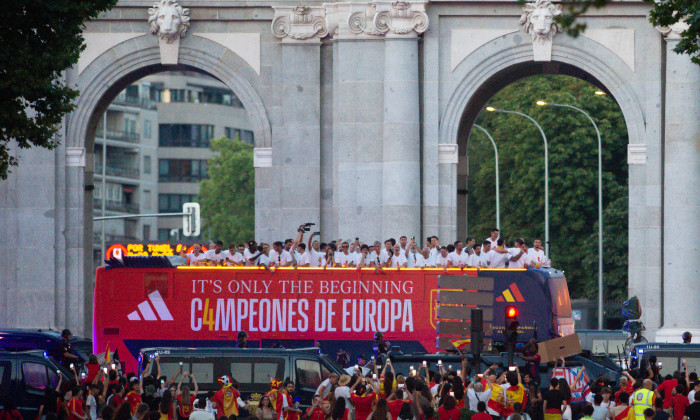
<point>561,304</point>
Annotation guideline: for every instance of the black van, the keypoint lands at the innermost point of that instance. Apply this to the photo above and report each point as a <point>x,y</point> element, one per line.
<point>24,378</point>
<point>251,368</point>
<point>48,340</point>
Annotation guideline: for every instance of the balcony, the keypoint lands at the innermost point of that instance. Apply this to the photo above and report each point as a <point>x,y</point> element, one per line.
<point>118,171</point>
<point>134,101</point>
<point>120,135</point>
<point>121,207</point>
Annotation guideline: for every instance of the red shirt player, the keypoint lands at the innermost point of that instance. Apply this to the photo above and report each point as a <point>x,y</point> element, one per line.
<point>316,411</point>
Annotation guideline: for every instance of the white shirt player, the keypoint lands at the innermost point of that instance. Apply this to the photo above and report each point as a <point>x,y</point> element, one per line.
<point>415,260</point>
<point>197,259</point>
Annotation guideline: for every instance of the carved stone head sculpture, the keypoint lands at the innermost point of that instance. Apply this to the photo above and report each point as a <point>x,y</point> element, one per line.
<point>538,20</point>
<point>168,20</point>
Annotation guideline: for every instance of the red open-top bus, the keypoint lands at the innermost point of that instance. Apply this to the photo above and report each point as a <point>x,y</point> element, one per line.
<point>335,308</point>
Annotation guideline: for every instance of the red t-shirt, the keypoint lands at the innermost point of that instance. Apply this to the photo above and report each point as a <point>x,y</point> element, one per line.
<point>363,405</point>
<point>315,413</point>
<point>133,399</point>
<point>448,414</point>
<point>680,402</point>
<point>226,402</point>
<point>394,407</point>
<point>10,415</point>
<point>185,409</point>
<point>75,405</point>
<point>481,416</point>
<point>667,387</point>
<point>628,389</point>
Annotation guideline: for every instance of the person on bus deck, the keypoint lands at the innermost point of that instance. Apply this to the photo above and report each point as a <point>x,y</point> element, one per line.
<point>518,256</point>
<point>414,257</point>
<point>398,260</point>
<point>288,243</point>
<point>300,257</point>
<point>263,260</point>
<point>196,257</point>
<point>493,239</point>
<point>457,258</point>
<point>242,338</point>
<point>315,251</point>
<point>290,408</point>
<point>65,350</point>
<point>216,256</point>
<point>527,258</point>
<point>497,257</point>
<point>474,260</point>
<point>364,260</point>
<point>185,399</point>
<point>234,257</point>
<point>442,258</point>
<point>279,256</point>
<point>469,245</point>
<point>687,337</point>
<point>225,400</point>
<point>251,254</point>
<point>537,255</point>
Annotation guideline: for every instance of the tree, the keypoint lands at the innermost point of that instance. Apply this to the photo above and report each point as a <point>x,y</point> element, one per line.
<point>227,198</point>
<point>573,177</point>
<point>663,13</point>
<point>40,39</point>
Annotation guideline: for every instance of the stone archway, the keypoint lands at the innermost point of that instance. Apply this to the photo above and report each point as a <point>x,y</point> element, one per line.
<point>500,62</point>
<point>99,83</point>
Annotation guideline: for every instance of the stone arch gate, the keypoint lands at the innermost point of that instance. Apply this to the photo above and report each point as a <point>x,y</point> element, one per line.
<point>360,112</point>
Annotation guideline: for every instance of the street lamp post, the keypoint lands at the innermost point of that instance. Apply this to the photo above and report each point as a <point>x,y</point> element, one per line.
<point>498,194</point>
<point>600,206</point>
<point>546,172</point>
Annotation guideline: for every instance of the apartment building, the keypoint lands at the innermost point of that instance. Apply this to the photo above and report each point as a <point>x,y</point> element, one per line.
<point>157,134</point>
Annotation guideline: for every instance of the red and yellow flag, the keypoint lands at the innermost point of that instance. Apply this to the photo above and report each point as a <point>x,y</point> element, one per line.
<point>460,343</point>
<point>108,354</point>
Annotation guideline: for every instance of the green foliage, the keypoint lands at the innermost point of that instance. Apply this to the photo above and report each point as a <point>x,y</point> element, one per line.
<point>227,198</point>
<point>573,177</point>
<point>662,13</point>
<point>40,39</point>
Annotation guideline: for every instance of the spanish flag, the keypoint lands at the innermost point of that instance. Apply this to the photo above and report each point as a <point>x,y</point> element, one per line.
<point>497,400</point>
<point>514,394</point>
<point>460,343</point>
<point>108,354</point>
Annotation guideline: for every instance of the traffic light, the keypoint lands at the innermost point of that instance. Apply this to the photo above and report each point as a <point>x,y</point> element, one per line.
<point>511,330</point>
<point>511,317</point>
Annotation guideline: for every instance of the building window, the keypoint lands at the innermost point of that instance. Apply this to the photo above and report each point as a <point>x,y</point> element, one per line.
<point>231,133</point>
<point>163,235</point>
<point>146,198</point>
<point>182,170</point>
<point>147,129</point>
<point>185,135</point>
<point>146,232</point>
<point>146,164</point>
<point>172,203</point>
<point>247,137</point>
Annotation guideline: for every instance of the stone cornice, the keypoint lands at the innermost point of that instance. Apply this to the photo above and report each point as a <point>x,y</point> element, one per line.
<point>674,31</point>
<point>299,23</point>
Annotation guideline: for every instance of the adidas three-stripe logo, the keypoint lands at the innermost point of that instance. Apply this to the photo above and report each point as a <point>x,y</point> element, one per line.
<point>145,309</point>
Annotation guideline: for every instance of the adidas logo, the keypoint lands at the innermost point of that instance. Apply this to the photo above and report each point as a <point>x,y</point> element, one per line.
<point>147,313</point>
<point>511,294</point>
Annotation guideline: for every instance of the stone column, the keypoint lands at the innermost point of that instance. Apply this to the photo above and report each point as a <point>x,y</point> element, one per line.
<point>358,73</point>
<point>401,192</point>
<point>681,192</point>
<point>296,139</point>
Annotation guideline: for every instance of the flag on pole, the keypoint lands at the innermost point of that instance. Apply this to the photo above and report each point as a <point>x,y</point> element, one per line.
<point>108,354</point>
<point>460,343</point>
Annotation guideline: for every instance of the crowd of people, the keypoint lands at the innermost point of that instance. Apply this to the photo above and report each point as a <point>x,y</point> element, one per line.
<point>374,390</point>
<point>493,252</point>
